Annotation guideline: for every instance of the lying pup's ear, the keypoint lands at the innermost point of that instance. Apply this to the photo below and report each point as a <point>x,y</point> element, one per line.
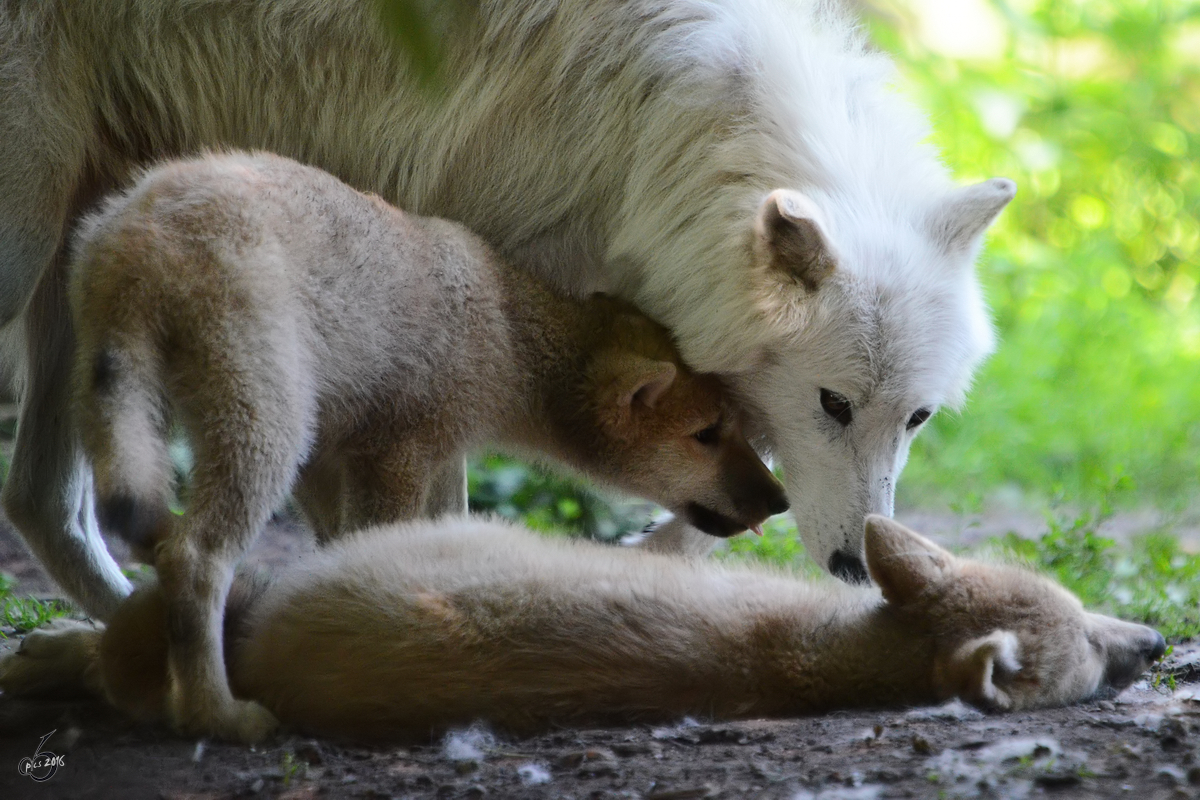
<point>791,240</point>
<point>971,672</point>
<point>902,562</point>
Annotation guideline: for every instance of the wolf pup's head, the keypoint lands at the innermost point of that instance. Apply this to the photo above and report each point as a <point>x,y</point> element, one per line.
<point>1009,638</point>
<point>879,323</point>
<point>671,436</point>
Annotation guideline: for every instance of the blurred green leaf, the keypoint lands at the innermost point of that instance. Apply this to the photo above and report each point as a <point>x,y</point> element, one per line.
<point>422,28</point>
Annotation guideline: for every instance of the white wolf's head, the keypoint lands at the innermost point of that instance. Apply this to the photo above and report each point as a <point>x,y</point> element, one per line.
<point>884,327</point>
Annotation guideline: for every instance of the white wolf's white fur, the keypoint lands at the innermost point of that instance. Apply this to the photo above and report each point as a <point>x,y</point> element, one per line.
<point>628,146</point>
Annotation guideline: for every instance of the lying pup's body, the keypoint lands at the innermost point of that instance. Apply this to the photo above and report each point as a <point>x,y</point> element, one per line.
<point>309,337</point>
<point>400,633</point>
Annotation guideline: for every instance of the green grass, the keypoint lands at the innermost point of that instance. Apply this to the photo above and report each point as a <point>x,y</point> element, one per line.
<point>1150,580</point>
<point>548,502</point>
<point>23,614</point>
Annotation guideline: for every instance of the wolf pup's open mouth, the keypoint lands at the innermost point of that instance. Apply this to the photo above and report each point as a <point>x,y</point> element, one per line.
<point>712,522</point>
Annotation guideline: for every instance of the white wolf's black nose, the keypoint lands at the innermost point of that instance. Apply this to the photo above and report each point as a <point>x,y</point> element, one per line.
<point>848,568</point>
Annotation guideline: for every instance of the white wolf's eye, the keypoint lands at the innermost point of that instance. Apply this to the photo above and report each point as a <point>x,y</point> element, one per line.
<point>919,416</point>
<point>836,406</point>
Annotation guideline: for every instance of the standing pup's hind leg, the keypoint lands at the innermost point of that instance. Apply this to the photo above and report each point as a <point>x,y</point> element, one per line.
<point>249,419</point>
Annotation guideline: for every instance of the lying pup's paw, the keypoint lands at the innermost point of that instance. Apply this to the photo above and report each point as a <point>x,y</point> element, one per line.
<point>59,660</point>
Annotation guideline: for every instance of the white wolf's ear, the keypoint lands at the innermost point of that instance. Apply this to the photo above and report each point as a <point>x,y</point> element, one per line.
<point>790,239</point>
<point>902,562</point>
<point>971,671</point>
<point>961,218</point>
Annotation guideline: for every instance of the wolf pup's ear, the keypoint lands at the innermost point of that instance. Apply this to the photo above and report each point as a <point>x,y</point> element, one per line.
<point>960,219</point>
<point>902,562</point>
<point>971,671</point>
<point>630,382</point>
<point>646,382</point>
<point>791,239</point>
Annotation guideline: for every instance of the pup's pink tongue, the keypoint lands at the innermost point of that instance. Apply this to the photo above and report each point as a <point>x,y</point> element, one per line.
<point>757,529</point>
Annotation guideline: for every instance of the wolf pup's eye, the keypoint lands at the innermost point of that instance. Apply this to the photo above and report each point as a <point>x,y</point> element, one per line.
<point>836,406</point>
<point>708,436</point>
<point>919,416</point>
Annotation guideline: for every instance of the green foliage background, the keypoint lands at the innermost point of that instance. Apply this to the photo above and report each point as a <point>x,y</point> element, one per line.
<point>1092,271</point>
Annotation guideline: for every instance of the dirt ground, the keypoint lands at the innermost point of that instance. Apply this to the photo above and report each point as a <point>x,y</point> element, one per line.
<point>1145,744</point>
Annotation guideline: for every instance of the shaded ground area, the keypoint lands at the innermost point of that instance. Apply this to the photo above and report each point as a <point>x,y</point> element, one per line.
<point>1142,745</point>
<point>1146,743</point>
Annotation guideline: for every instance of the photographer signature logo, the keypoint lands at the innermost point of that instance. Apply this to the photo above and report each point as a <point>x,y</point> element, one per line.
<point>42,765</point>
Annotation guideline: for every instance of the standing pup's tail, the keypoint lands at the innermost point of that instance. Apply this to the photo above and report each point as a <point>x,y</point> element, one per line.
<point>119,401</point>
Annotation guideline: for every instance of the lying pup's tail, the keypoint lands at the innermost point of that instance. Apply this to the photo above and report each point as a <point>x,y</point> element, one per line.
<point>133,651</point>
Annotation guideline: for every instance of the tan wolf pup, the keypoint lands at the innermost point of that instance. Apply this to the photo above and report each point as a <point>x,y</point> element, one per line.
<point>305,334</point>
<point>403,631</point>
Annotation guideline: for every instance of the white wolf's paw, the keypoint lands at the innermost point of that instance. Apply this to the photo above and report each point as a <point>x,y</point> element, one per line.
<point>55,660</point>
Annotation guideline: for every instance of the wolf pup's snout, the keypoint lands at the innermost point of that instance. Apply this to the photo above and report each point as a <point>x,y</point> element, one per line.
<point>755,491</point>
<point>1129,650</point>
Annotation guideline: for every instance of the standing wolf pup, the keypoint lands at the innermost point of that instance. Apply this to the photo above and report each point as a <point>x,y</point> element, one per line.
<point>740,170</point>
<point>402,632</point>
<point>305,333</point>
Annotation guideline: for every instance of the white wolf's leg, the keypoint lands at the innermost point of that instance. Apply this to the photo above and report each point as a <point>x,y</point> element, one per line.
<point>675,537</point>
<point>48,494</point>
<point>447,490</point>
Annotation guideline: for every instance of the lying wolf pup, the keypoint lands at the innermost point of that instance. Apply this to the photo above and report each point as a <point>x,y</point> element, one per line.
<point>400,632</point>
<point>304,333</point>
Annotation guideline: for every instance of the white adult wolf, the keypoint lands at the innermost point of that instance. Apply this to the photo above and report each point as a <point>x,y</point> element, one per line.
<point>741,170</point>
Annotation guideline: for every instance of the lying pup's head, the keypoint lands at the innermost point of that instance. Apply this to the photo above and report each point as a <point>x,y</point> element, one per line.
<point>1012,638</point>
<point>672,436</point>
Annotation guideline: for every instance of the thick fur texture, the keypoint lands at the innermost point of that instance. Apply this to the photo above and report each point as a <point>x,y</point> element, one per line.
<point>740,170</point>
<point>303,333</point>
<point>402,632</point>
